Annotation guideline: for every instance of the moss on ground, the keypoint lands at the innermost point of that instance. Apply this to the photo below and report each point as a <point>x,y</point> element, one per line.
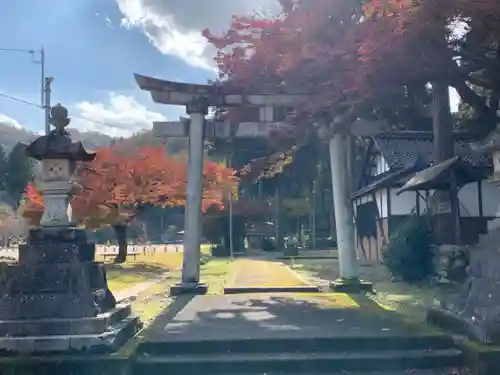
<point>143,268</point>
<point>156,298</point>
<point>328,300</point>
<point>263,274</point>
<point>410,300</point>
<point>214,274</point>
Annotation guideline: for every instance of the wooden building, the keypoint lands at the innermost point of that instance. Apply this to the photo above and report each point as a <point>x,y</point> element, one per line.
<point>393,159</point>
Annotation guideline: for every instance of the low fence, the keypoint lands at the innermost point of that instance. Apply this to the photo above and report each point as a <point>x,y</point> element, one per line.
<point>108,251</point>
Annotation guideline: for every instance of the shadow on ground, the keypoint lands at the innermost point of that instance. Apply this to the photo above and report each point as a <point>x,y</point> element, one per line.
<point>141,269</point>
<point>298,316</point>
<point>411,300</point>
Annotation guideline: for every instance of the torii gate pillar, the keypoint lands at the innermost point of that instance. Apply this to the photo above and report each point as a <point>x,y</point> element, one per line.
<point>197,109</point>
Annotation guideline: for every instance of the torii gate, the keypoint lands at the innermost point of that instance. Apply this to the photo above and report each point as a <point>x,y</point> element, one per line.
<point>197,99</point>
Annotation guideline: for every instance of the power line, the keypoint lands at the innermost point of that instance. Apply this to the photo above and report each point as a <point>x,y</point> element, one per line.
<point>20,100</point>
<point>72,115</point>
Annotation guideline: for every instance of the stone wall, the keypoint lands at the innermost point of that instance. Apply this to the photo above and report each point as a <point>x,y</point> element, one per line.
<point>451,263</point>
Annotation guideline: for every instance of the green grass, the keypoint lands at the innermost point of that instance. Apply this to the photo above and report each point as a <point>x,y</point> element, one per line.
<point>410,300</point>
<point>214,274</point>
<point>166,269</point>
<point>150,303</point>
<point>144,268</point>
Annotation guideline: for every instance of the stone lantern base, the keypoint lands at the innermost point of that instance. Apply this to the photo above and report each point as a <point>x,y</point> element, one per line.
<point>56,298</point>
<point>475,312</point>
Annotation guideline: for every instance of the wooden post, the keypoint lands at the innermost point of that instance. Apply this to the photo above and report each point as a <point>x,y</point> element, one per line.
<point>447,225</point>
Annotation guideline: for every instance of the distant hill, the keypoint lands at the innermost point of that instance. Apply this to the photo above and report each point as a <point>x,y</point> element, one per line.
<point>10,136</point>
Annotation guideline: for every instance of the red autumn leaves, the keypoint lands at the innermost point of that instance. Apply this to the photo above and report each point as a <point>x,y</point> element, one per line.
<point>121,180</point>
<point>350,54</point>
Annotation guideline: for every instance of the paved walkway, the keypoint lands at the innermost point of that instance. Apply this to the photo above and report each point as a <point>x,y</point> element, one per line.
<point>263,274</point>
<point>298,315</point>
<point>288,332</point>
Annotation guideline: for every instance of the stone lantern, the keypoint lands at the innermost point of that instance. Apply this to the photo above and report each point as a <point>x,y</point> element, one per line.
<point>58,156</point>
<point>491,146</point>
<point>56,298</point>
<point>475,311</point>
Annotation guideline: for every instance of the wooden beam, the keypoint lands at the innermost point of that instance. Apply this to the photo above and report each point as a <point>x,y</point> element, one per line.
<point>389,208</point>
<point>417,202</point>
<point>259,129</point>
<point>218,129</point>
<point>155,84</point>
<point>174,97</point>
<point>366,128</point>
<point>178,93</point>
<point>480,197</point>
<point>170,129</point>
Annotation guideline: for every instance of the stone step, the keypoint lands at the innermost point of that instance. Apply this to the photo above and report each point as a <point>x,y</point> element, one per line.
<point>297,345</point>
<point>441,371</point>
<point>106,342</point>
<point>293,363</point>
<point>490,241</point>
<point>58,327</point>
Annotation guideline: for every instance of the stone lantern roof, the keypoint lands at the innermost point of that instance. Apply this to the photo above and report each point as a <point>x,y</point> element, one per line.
<point>58,143</point>
<point>490,144</point>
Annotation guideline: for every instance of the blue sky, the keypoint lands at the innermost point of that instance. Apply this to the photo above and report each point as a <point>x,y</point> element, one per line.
<point>93,47</point>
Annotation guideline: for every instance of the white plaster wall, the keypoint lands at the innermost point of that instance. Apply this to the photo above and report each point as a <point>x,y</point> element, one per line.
<point>404,203</point>
<point>491,199</point>
<point>469,201</point>
<point>380,167</point>
<point>423,201</point>
<point>381,198</point>
<point>468,197</point>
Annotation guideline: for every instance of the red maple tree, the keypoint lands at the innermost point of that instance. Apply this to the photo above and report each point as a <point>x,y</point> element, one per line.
<point>219,182</point>
<point>355,57</point>
<point>121,181</point>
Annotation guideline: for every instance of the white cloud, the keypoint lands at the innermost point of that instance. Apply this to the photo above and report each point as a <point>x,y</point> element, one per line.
<point>120,116</point>
<point>174,26</point>
<point>4,119</point>
<point>106,19</point>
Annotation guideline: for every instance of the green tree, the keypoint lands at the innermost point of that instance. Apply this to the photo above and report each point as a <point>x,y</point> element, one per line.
<point>19,172</point>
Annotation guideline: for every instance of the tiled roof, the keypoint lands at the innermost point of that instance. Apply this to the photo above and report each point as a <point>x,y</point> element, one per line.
<point>401,149</point>
<point>387,179</point>
<point>436,177</point>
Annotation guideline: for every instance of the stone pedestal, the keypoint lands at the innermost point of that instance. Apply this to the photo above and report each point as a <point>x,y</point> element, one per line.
<point>188,288</point>
<point>475,312</point>
<point>57,299</point>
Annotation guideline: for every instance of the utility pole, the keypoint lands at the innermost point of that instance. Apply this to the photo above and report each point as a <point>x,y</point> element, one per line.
<point>44,83</point>
<point>313,219</point>
<point>231,241</point>
<point>46,101</point>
